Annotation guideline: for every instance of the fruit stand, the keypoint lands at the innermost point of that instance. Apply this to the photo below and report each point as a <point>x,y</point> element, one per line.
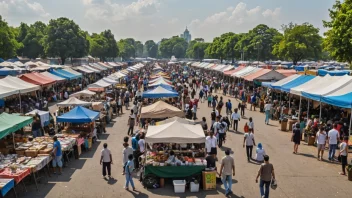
<point>186,141</point>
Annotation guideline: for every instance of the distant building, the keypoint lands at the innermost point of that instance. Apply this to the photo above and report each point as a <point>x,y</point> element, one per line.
<point>186,35</point>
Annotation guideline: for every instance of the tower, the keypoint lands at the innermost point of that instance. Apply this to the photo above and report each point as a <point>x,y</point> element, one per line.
<point>186,35</point>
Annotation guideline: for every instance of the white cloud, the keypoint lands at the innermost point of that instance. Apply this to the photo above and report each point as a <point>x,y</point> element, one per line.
<point>22,8</point>
<point>173,21</point>
<point>116,12</point>
<point>237,19</point>
<point>273,14</point>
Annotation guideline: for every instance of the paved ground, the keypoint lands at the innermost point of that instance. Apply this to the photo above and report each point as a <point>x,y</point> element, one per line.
<point>299,175</point>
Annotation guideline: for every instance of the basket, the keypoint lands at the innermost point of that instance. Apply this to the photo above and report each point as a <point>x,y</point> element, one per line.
<point>20,152</point>
<point>46,151</point>
<point>31,153</point>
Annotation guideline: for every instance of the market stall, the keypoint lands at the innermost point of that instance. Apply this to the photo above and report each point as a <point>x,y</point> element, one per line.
<point>186,141</point>
<point>161,109</point>
<point>159,92</point>
<point>83,93</point>
<point>72,101</point>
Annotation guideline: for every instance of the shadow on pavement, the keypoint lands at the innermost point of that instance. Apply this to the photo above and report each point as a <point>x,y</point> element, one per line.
<point>103,136</point>
<point>307,155</point>
<point>90,153</point>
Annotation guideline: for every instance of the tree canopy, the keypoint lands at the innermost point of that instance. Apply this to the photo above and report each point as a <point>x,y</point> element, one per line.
<point>151,48</point>
<point>65,39</point>
<point>174,46</point>
<point>299,42</point>
<point>8,42</point>
<point>32,38</point>
<point>338,37</point>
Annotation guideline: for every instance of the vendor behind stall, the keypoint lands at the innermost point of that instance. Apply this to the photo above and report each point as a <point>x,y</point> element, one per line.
<point>210,161</point>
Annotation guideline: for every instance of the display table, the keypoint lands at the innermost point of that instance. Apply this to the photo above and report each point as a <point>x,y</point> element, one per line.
<point>6,185</point>
<point>18,176</point>
<point>173,171</point>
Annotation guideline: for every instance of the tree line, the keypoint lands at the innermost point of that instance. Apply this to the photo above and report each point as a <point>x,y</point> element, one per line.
<point>63,38</point>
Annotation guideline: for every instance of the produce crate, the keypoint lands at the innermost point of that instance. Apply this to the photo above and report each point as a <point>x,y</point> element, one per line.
<point>31,153</point>
<point>46,151</point>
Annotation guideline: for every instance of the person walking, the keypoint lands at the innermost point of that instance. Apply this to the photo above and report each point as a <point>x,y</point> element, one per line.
<point>253,101</point>
<point>320,138</point>
<point>106,160</point>
<point>235,118</point>
<point>194,111</point>
<point>227,171</point>
<point>333,136</point>
<point>210,99</point>
<point>267,108</point>
<point>129,167</point>
<point>296,138</point>
<point>201,96</point>
<point>228,107</point>
<point>242,106</point>
<point>221,131</point>
<point>249,142</point>
<point>57,155</point>
<point>251,125</point>
<point>131,123</point>
<point>266,174</point>
<point>343,154</point>
<point>125,153</point>
<point>135,149</point>
<point>220,105</point>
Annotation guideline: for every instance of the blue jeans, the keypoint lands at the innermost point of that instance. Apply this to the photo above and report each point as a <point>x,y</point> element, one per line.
<point>36,133</point>
<point>267,114</point>
<point>332,149</point>
<point>129,180</point>
<point>265,192</point>
<point>227,181</point>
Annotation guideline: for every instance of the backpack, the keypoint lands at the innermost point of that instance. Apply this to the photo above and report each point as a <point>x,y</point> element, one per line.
<point>246,128</point>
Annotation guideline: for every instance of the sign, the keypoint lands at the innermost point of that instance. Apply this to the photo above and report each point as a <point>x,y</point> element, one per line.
<point>209,180</point>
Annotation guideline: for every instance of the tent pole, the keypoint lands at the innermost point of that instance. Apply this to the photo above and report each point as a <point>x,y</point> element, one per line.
<point>289,103</point>
<point>320,112</point>
<point>308,110</point>
<point>19,96</point>
<point>299,109</point>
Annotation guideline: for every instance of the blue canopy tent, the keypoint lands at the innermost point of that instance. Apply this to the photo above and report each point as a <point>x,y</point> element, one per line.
<point>160,92</point>
<point>296,82</point>
<point>79,115</point>
<point>344,101</point>
<point>266,84</point>
<point>64,74</point>
<point>323,72</point>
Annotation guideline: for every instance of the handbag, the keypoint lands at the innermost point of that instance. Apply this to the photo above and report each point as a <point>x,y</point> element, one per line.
<point>273,184</point>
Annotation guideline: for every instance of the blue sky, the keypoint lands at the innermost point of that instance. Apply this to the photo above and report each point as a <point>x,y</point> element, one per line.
<point>156,19</point>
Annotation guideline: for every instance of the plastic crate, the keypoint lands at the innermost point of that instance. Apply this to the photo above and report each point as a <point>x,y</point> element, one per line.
<point>179,186</point>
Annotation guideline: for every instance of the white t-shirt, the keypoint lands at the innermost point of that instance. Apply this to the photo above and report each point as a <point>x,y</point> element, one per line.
<point>215,127</point>
<point>333,136</point>
<point>321,138</point>
<point>260,154</point>
<point>235,116</point>
<point>126,152</point>
<point>210,143</point>
<point>343,148</point>
<point>216,112</point>
<point>251,125</point>
<point>141,143</point>
<point>267,107</point>
<point>106,154</point>
<point>249,139</point>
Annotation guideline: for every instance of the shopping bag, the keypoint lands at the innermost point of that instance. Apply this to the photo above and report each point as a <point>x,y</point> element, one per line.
<point>273,184</point>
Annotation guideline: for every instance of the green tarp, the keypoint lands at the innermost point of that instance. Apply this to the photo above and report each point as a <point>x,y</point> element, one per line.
<point>173,171</point>
<point>10,123</point>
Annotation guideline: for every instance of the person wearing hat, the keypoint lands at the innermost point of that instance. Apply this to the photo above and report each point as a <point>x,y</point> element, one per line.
<point>260,152</point>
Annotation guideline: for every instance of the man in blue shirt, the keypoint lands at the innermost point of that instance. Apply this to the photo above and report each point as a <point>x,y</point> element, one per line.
<point>135,149</point>
<point>57,155</point>
<point>228,107</point>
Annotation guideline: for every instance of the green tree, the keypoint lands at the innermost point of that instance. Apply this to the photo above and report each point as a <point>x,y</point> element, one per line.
<point>126,48</point>
<point>98,45</point>
<point>196,49</point>
<point>167,47</point>
<point>151,48</point>
<point>299,42</point>
<point>139,48</point>
<point>8,42</point>
<point>65,39</point>
<point>338,36</point>
<point>111,49</point>
<point>215,49</point>
<point>32,40</point>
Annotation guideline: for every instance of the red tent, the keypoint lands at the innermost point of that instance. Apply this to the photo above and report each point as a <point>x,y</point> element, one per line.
<point>37,79</point>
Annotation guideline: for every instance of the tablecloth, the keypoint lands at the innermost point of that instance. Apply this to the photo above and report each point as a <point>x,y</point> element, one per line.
<point>6,185</point>
<point>36,164</point>
<point>173,171</point>
<point>18,176</point>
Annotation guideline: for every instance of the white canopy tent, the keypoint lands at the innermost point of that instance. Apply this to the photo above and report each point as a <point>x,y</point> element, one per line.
<point>159,82</point>
<point>284,81</point>
<point>243,71</point>
<point>7,91</point>
<point>175,132</point>
<point>109,80</point>
<point>160,109</point>
<point>18,84</point>
<point>73,102</point>
<point>44,116</point>
<point>310,84</point>
<point>84,93</point>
